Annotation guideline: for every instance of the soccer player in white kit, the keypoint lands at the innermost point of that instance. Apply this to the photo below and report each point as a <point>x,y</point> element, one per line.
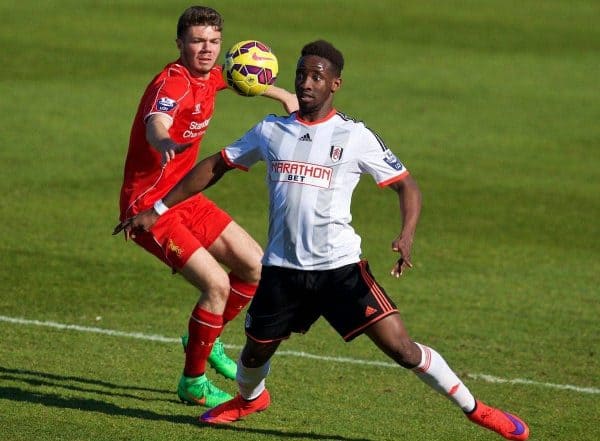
<point>312,265</point>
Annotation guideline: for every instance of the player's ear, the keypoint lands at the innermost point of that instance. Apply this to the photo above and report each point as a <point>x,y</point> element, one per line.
<point>179,43</point>
<point>336,84</point>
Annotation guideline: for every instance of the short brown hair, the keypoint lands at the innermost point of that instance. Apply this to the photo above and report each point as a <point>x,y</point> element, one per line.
<point>198,15</point>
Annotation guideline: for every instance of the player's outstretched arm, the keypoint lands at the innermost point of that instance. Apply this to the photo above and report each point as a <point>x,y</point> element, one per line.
<point>157,134</point>
<point>204,174</point>
<point>409,197</point>
<point>288,99</point>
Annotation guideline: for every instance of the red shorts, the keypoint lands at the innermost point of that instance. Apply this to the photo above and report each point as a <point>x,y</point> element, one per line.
<point>177,234</point>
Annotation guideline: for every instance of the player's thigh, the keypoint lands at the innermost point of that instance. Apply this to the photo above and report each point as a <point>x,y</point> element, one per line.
<point>236,249</point>
<point>389,333</point>
<point>353,301</point>
<point>282,305</point>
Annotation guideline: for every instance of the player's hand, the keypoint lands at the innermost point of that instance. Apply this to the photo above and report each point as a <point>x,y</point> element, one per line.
<point>168,152</point>
<point>141,222</point>
<point>125,227</point>
<point>403,246</point>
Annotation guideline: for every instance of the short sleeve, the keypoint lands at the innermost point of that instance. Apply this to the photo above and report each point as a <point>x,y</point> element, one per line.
<point>247,150</point>
<point>165,96</point>
<point>378,160</point>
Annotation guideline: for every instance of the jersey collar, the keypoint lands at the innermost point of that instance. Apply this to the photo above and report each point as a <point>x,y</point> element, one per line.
<point>312,123</point>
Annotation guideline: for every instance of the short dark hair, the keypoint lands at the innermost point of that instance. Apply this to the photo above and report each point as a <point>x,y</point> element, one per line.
<point>324,49</point>
<point>198,15</point>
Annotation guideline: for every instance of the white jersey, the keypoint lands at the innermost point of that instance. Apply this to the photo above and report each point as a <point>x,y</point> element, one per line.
<point>312,170</point>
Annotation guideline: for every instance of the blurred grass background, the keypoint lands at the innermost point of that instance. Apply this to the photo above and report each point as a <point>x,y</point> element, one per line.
<point>493,106</point>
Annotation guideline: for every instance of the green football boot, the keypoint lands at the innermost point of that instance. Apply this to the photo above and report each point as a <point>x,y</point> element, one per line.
<point>200,391</point>
<point>217,359</point>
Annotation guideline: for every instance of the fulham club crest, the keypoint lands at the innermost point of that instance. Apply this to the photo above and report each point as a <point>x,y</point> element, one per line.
<point>336,153</point>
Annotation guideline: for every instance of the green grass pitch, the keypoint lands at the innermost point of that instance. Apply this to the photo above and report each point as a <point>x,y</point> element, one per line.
<point>493,105</point>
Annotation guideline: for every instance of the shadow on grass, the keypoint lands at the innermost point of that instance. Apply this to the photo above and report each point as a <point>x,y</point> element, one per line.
<point>57,377</point>
<point>94,405</point>
<point>283,434</point>
<point>36,378</point>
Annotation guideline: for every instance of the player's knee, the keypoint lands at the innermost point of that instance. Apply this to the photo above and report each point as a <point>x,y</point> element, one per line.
<point>250,272</point>
<point>217,290</point>
<point>256,354</point>
<point>255,262</point>
<point>406,353</point>
<point>253,361</point>
<point>254,272</point>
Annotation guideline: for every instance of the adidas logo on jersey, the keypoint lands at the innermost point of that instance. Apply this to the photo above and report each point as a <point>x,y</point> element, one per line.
<point>305,137</point>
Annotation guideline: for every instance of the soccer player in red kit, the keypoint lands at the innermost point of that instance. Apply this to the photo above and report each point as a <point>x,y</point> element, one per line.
<point>195,237</point>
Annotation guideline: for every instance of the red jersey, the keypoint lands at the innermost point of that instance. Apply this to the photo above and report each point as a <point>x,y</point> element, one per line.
<point>190,103</point>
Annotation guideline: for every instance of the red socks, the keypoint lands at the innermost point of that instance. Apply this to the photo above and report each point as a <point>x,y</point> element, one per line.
<point>239,296</point>
<point>204,327</point>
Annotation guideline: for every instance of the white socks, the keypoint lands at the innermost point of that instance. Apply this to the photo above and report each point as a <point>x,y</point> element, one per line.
<point>251,381</point>
<point>434,371</point>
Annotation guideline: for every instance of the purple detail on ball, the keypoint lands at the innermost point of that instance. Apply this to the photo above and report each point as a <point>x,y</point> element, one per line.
<point>240,68</point>
<point>262,47</point>
<point>253,69</point>
<point>268,76</point>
